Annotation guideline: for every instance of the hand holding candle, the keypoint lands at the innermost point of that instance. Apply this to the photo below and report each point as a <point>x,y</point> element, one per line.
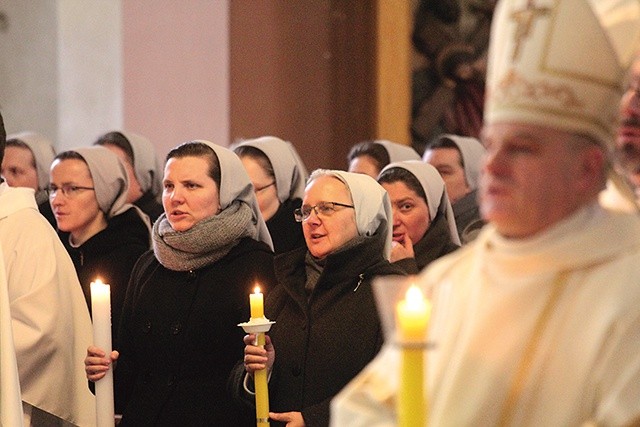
<point>101,316</point>
<point>412,319</point>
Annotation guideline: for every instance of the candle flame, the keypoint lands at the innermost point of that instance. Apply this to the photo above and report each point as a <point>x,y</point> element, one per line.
<point>415,299</point>
<point>256,290</point>
<point>98,281</point>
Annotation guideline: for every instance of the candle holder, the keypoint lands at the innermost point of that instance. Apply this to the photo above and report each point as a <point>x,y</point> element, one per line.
<point>259,326</point>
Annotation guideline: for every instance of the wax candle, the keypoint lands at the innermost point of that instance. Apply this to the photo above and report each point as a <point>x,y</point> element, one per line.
<point>101,316</point>
<point>256,301</point>
<point>412,318</point>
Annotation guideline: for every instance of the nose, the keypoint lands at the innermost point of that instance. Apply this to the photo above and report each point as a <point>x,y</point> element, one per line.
<point>395,217</point>
<point>630,102</point>
<point>55,197</point>
<point>176,195</point>
<point>494,162</point>
<point>313,218</point>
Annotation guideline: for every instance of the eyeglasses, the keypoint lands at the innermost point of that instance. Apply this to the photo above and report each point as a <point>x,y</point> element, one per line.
<point>265,187</point>
<point>68,190</point>
<point>325,209</point>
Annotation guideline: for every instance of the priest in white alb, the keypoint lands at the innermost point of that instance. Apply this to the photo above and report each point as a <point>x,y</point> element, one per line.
<point>537,322</point>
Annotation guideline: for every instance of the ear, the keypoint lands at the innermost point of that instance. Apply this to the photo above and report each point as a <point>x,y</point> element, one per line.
<point>591,171</point>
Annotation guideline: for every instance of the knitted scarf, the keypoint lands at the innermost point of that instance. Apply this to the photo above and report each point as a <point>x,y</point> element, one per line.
<point>204,243</point>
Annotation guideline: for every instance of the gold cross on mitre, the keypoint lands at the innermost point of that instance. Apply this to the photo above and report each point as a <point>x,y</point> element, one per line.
<point>525,18</point>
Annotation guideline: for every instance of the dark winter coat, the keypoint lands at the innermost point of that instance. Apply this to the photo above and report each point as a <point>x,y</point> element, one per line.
<point>285,232</point>
<point>110,256</point>
<point>180,338</point>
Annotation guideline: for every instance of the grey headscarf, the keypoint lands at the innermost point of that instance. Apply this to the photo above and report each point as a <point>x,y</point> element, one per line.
<point>236,185</point>
<point>398,152</point>
<point>472,152</point>
<point>146,165</point>
<point>43,154</point>
<point>290,172</point>
<point>370,201</point>
<point>109,179</point>
<point>435,190</point>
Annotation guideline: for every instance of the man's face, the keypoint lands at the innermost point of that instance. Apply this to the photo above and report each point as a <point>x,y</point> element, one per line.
<point>628,137</point>
<point>449,164</point>
<point>532,177</point>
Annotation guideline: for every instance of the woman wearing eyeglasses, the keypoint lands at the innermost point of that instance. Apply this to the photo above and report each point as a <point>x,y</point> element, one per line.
<point>327,326</point>
<point>278,176</point>
<point>103,235</point>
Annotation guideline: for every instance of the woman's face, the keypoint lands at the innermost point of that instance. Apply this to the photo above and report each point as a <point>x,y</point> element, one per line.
<point>76,212</point>
<point>325,234</point>
<point>264,186</point>
<point>190,194</point>
<point>18,167</point>
<point>410,212</point>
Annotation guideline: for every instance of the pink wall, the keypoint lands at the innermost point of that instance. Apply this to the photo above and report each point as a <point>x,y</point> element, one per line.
<point>176,70</point>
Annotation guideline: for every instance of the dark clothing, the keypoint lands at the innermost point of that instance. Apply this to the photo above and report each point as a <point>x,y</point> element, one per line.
<point>285,232</point>
<point>110,256</point>
<point>47,212</point>
<point>150,205</point>
<point>324,340</point>
<point>435,243</point>
<point>467,215</point>
<point>179,338</point>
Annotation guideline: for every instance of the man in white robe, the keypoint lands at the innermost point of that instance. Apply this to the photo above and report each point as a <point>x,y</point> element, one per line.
<point>49,318</point>
<point>537,322</point>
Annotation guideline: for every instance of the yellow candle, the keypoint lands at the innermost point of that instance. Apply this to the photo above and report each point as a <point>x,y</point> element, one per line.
<point>256,302</point>
<point>262,390</point>
<point>101,317</point>
<point>412,317</point>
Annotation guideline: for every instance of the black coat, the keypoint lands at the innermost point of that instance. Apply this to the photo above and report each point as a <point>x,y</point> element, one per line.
<point>110,255</point>
<point>180,338</point>
<point>285,232</point>
<point>150,205</point>
<point>323,342</point>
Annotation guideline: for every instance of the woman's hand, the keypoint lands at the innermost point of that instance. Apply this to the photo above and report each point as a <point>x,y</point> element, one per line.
<point>96,364</point>
<point>403,249</point>
<point>293,419</point>
<point>257,358</point>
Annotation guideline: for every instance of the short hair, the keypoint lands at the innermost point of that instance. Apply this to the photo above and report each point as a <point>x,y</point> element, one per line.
<point>258,155</point>
<point>69,155</point>
<point>117,139</point>
<point>392,175</point>
<point>446,142</point>
<point>201,150</point>
<point>376,151</point>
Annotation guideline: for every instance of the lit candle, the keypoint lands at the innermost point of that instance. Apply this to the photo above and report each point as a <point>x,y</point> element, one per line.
<point>256,301</point>
<point>412,317</point>
<point>101,316</point>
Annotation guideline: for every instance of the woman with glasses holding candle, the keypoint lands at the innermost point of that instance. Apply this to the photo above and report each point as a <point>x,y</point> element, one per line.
<point>424,226</point>
<point>103,234</point>
<point>179,334</point>
<point>327,325</point>
<point>278,176</point>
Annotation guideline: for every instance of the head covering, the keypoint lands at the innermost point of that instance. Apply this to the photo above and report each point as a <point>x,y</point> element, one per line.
<point>371,204</point>
<point>236,185</point>
<point>289,170</point>
<point>109,179</point>
<point>146,165</point>
<point>398,152</point>
<point>434,189</point>
<point>561,64</point>
<point>472,152</point>
<point>43,154</point>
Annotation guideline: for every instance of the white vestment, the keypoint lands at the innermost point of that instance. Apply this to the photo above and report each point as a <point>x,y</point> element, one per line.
<point>536,332</point>
<point>50,319</point>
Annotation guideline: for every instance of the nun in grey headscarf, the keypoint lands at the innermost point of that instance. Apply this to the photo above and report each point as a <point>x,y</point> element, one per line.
<point>42,153</point>
<point>143,167</point>
<point>278,176</point>
<point>211,248</point>
<point>346,222</point>
<point>369,157</point>
<point>424,227</point>
<point>461,179</point>
<point>103,234</point>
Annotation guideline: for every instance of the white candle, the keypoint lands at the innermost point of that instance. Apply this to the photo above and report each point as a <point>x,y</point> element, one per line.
<point>101,315</point>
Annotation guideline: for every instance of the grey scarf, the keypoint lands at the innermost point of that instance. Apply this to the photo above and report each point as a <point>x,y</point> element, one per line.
<point>204,243</point>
